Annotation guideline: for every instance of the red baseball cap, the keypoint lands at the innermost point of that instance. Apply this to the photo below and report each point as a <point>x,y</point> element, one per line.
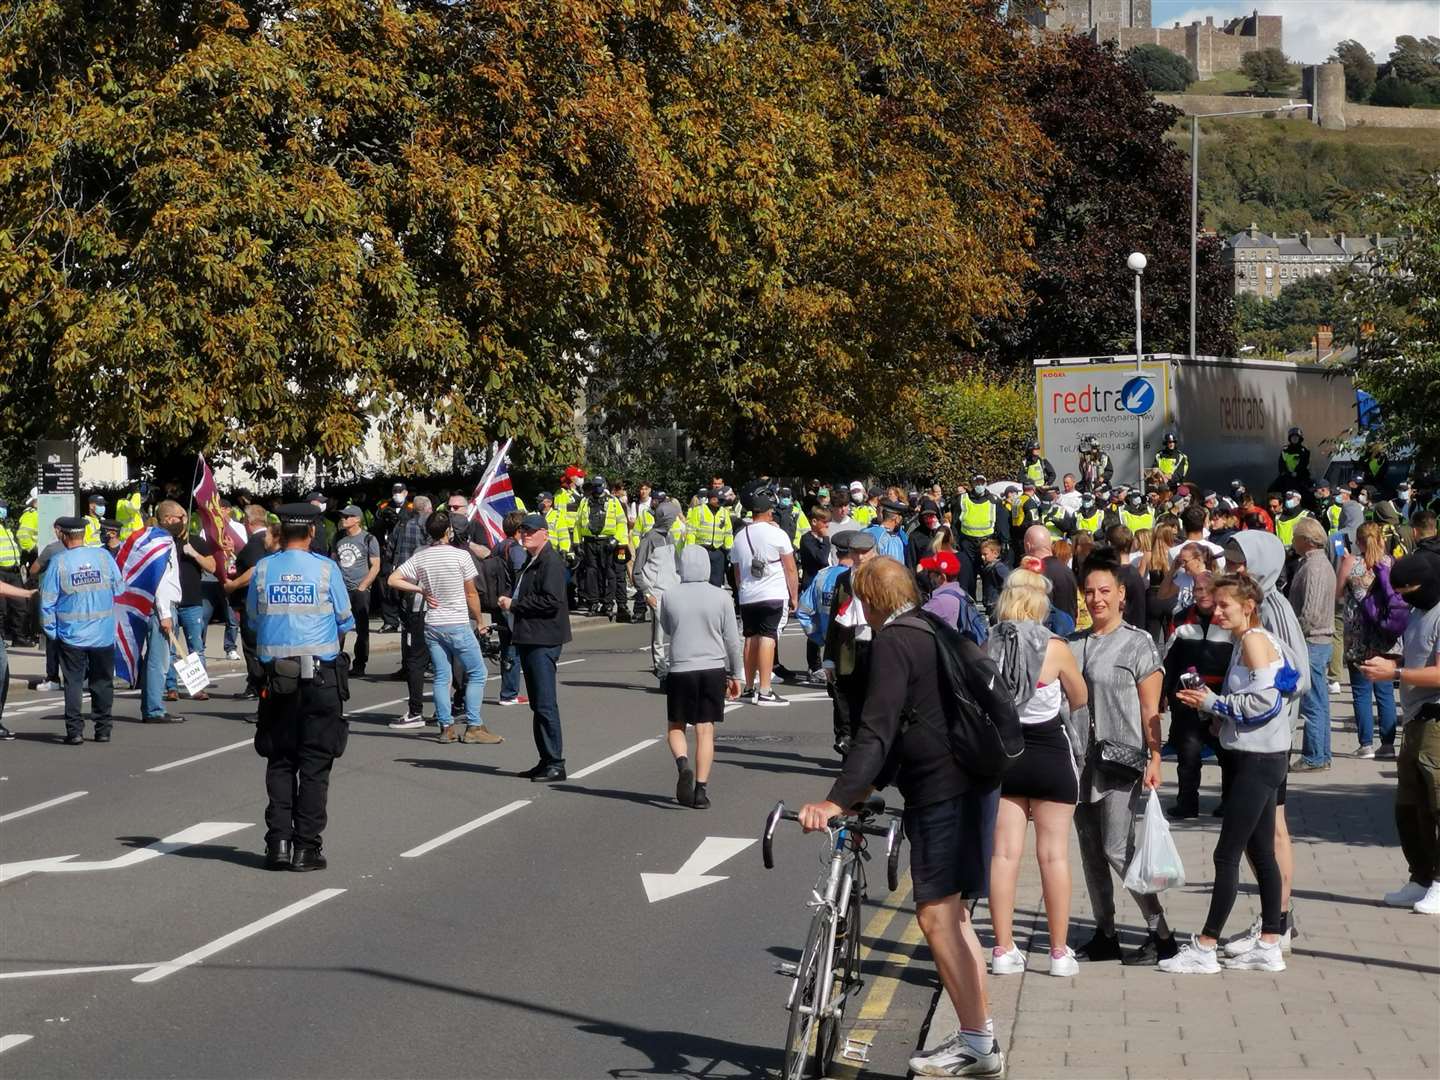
<point>944,562</point>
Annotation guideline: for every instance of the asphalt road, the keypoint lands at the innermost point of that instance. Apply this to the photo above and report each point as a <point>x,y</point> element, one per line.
<point>470,923</point>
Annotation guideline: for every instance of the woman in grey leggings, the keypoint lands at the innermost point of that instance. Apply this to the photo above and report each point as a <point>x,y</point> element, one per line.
<point>1123,673</point>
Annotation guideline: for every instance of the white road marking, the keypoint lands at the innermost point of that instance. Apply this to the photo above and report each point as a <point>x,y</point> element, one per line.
<point>41,806</point>
<point>461,830</point>
<point>195,834</point>
<point>809,695</point>
<point>695,873</point>
<point>579,660</point>
<point>201,757</point>
<point>195,956</point>
<point>74,970</point>
<point>589,769</point>
<point>58,701</point>
<point>9,1042</point>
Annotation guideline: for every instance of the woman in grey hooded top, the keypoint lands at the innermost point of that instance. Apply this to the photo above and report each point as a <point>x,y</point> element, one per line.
<point>1262,556</point>
<point>655,573</point>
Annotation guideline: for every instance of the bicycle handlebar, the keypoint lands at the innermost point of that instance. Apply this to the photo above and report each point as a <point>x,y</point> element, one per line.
<point>856,821</point>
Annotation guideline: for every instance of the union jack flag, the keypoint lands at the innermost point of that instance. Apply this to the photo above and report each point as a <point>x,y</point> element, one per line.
<point>142,560</point>
<point>494,496</point>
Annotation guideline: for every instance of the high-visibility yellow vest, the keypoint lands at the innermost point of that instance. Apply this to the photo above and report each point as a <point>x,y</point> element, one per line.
<point>1285,527</point>
<point>614,527</point>
<point>28,529</point>
<point>1090,524</point>
<point>977,518</point>
<point>558,529</point>
<point>1292,461</point>
<point>127,513</point>
<point>645,521</point>
<point>710,530</point>
<point>1169,464</point>
<point>1051,519</point>
<point>1332,516</point>
<point>864,515</point>
<point>92,531</point>
<point>1136,522</point>
<point>566,502</point>
<point>802,526</point>
<point>1035,471</point>
<point>9,549</point>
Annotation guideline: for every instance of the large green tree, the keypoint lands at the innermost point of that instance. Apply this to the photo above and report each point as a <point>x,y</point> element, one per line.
<point>1161,69</point>
<point>1268,70</point>
<point>1120,186</point>
<point>1360,70</point>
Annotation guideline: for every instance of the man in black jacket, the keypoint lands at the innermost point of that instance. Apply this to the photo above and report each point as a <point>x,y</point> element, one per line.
<point>539,628</point>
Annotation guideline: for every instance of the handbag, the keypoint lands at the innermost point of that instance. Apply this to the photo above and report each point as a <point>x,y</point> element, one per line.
<point>1118,760</point>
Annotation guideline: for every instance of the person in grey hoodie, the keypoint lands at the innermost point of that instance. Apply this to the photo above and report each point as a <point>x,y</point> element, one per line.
<point>655,573</point>
<point>1312,595</point>
<point>706,663</point>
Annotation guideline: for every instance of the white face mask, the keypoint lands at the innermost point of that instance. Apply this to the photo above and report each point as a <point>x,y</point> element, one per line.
<point>1291,504</point>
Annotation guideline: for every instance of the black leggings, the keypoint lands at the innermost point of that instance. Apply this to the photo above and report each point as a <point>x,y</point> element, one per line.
<point>1248,827</point>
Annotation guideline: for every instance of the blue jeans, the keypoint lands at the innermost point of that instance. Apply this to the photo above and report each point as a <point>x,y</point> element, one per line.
<point>509,665</point>
<point>191,619</point>
<point>1315,707</point>
<point>539,662</point>
<point>1383,693</point>
<point>156,671</point>
<point>458,644</point>
<point>232,627</point>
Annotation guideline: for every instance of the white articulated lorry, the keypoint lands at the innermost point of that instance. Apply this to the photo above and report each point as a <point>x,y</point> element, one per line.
<point>1230,416</point>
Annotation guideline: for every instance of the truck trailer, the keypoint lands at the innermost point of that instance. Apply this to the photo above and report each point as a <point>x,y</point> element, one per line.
<point>1231,416</point>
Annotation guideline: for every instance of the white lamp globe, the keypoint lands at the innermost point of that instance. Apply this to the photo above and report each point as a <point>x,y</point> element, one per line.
<point>1136,261</point>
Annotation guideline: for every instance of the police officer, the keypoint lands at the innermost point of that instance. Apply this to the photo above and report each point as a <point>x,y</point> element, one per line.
<point>861,511</point>
<point>1054,516</point>
<point>1091,517</point>
<point>601,529</point>
<point>1290,515</point>
<point>1294,463</point>
<point>708,524</point>
<point>298,607</point>
<point>568,500</point>
<point>77,610</point>
<point>1035,468</point>
<point>1096,468</point>
<point>979,519</point>
<point>1137,514</point>
<point>14,612</point>
<point>1172,461</point>
<point>1327,506</point>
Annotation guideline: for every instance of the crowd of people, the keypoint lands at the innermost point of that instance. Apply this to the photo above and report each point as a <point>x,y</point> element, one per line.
<point>1100,610</point>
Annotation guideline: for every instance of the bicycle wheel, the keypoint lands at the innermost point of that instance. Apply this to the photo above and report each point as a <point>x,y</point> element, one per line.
<point>844,977</point>
<point>800,1039</point>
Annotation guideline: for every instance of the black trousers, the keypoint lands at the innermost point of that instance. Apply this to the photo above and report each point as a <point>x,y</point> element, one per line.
<point>1248,827</point>
<point>414,655</point>
<point>93,666</point>
<point>389,599</point>
<point>718,559</point>
<point>601,581</point>
<point>967,550</point>
<point>300,735</point>
<point>52,658</point>
<point>360,608</point>
<point>14,614</point>
<point>1189,735</point>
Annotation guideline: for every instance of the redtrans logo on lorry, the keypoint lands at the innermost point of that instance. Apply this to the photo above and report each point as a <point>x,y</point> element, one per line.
<point>1137,397</point>
<point>1242,413</point>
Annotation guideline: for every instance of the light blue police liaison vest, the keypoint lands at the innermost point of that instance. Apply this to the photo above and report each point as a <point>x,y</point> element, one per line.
<point>298,605</point>
<point>77,597</point>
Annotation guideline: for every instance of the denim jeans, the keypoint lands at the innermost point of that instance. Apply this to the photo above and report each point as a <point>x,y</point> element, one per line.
<point>456,643</point>
<point>509,664</point>
<point>539,663</point>
<point>1315,707</point>
<point>156,671</point>
<point>1383,694</point>
<point>191,621</point>
<point>232,627</point>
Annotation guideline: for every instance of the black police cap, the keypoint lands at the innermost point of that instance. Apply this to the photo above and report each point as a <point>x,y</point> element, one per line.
<point>301,513</point>
<point>70,524</point>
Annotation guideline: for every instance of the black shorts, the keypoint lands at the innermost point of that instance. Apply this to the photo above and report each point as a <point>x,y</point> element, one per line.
<point>950,845</point>
<point>695,697</point>
<point>1046,770</point>
<point>763,619</point>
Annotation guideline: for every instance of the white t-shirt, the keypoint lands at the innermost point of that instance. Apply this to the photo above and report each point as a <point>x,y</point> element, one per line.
<point>761,540</point>
<point>442,570</point>
<point>1215,549</point>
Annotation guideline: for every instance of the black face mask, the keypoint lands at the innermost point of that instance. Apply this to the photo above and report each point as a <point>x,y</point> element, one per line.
<point>1422,569</point>
<point>176,529</point>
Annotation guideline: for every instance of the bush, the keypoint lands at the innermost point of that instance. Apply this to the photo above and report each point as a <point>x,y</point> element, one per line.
<point>1395,94</point>
<point>1161,69</point>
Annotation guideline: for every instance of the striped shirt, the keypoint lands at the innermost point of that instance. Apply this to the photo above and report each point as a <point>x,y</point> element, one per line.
<point>442,570</point>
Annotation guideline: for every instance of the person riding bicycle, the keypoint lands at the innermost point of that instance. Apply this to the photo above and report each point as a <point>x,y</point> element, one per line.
<point>949,823</point>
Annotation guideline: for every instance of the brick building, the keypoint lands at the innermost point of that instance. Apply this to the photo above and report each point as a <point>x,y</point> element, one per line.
<point>1262,265</point>
<point>1208,47</point>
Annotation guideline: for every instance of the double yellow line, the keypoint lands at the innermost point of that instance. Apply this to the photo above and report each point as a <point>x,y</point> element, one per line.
<point>881,995</point>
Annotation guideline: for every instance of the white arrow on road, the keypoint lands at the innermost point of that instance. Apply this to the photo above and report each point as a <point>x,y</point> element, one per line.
<point>695,874</point>
<point>195,834</point>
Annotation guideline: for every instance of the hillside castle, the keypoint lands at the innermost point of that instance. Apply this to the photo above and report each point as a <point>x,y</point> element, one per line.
<point>1208,47</point>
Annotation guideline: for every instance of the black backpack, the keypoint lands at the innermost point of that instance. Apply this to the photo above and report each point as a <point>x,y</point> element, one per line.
<point>984,736</point>
<point>492,579</point>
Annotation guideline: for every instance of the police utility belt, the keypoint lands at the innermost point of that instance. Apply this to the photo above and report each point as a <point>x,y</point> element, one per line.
<point>285,675</point>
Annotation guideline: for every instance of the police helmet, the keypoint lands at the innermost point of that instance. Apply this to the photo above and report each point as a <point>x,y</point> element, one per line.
<point>1169,439</point>
<point>1296,433</point>
<point>1035,445</point>
<point>1135,500</point>
<point>596,485</point>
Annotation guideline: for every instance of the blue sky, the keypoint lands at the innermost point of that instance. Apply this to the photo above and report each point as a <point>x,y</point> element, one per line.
<point>1312,27</point>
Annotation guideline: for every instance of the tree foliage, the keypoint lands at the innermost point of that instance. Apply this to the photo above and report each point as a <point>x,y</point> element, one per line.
<point>1287,322</point>
<point>1360,71</point>
<point>1393,317</point>
<point>1162,70</point>
<point>1120,186</point>
<point>1268,70</point>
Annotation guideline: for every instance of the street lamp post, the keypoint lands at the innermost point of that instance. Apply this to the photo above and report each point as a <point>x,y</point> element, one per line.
<point>1195,119</point>
<point>1136,262</point>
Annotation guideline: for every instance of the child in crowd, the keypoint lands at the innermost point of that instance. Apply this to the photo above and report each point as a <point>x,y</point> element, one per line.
<point>993,573</point>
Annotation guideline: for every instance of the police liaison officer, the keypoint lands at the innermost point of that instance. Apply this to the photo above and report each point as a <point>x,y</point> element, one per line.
<point>77,609</point>
<point>298,606</point>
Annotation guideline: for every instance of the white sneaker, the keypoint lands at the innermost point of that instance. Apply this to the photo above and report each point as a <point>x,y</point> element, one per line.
<point>1367,752</point>
<point>817,677</point>
<point>1261,958</point>
<point>231,654</point>
<point>1408,895</point>
<point>1430,903</point>
<point>49,687</point>
<point>1247,941</point>
<point>1192,960</point>
<point>1006,963</point>
<point>1064,967</point>
<point>920,1060</point>
<point>770,698</point>
<point>409,720</point>
<point>954,1057</point>
<point>1334,687</point>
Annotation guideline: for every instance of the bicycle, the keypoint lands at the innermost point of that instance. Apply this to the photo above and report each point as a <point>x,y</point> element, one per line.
<point>828,971</point>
